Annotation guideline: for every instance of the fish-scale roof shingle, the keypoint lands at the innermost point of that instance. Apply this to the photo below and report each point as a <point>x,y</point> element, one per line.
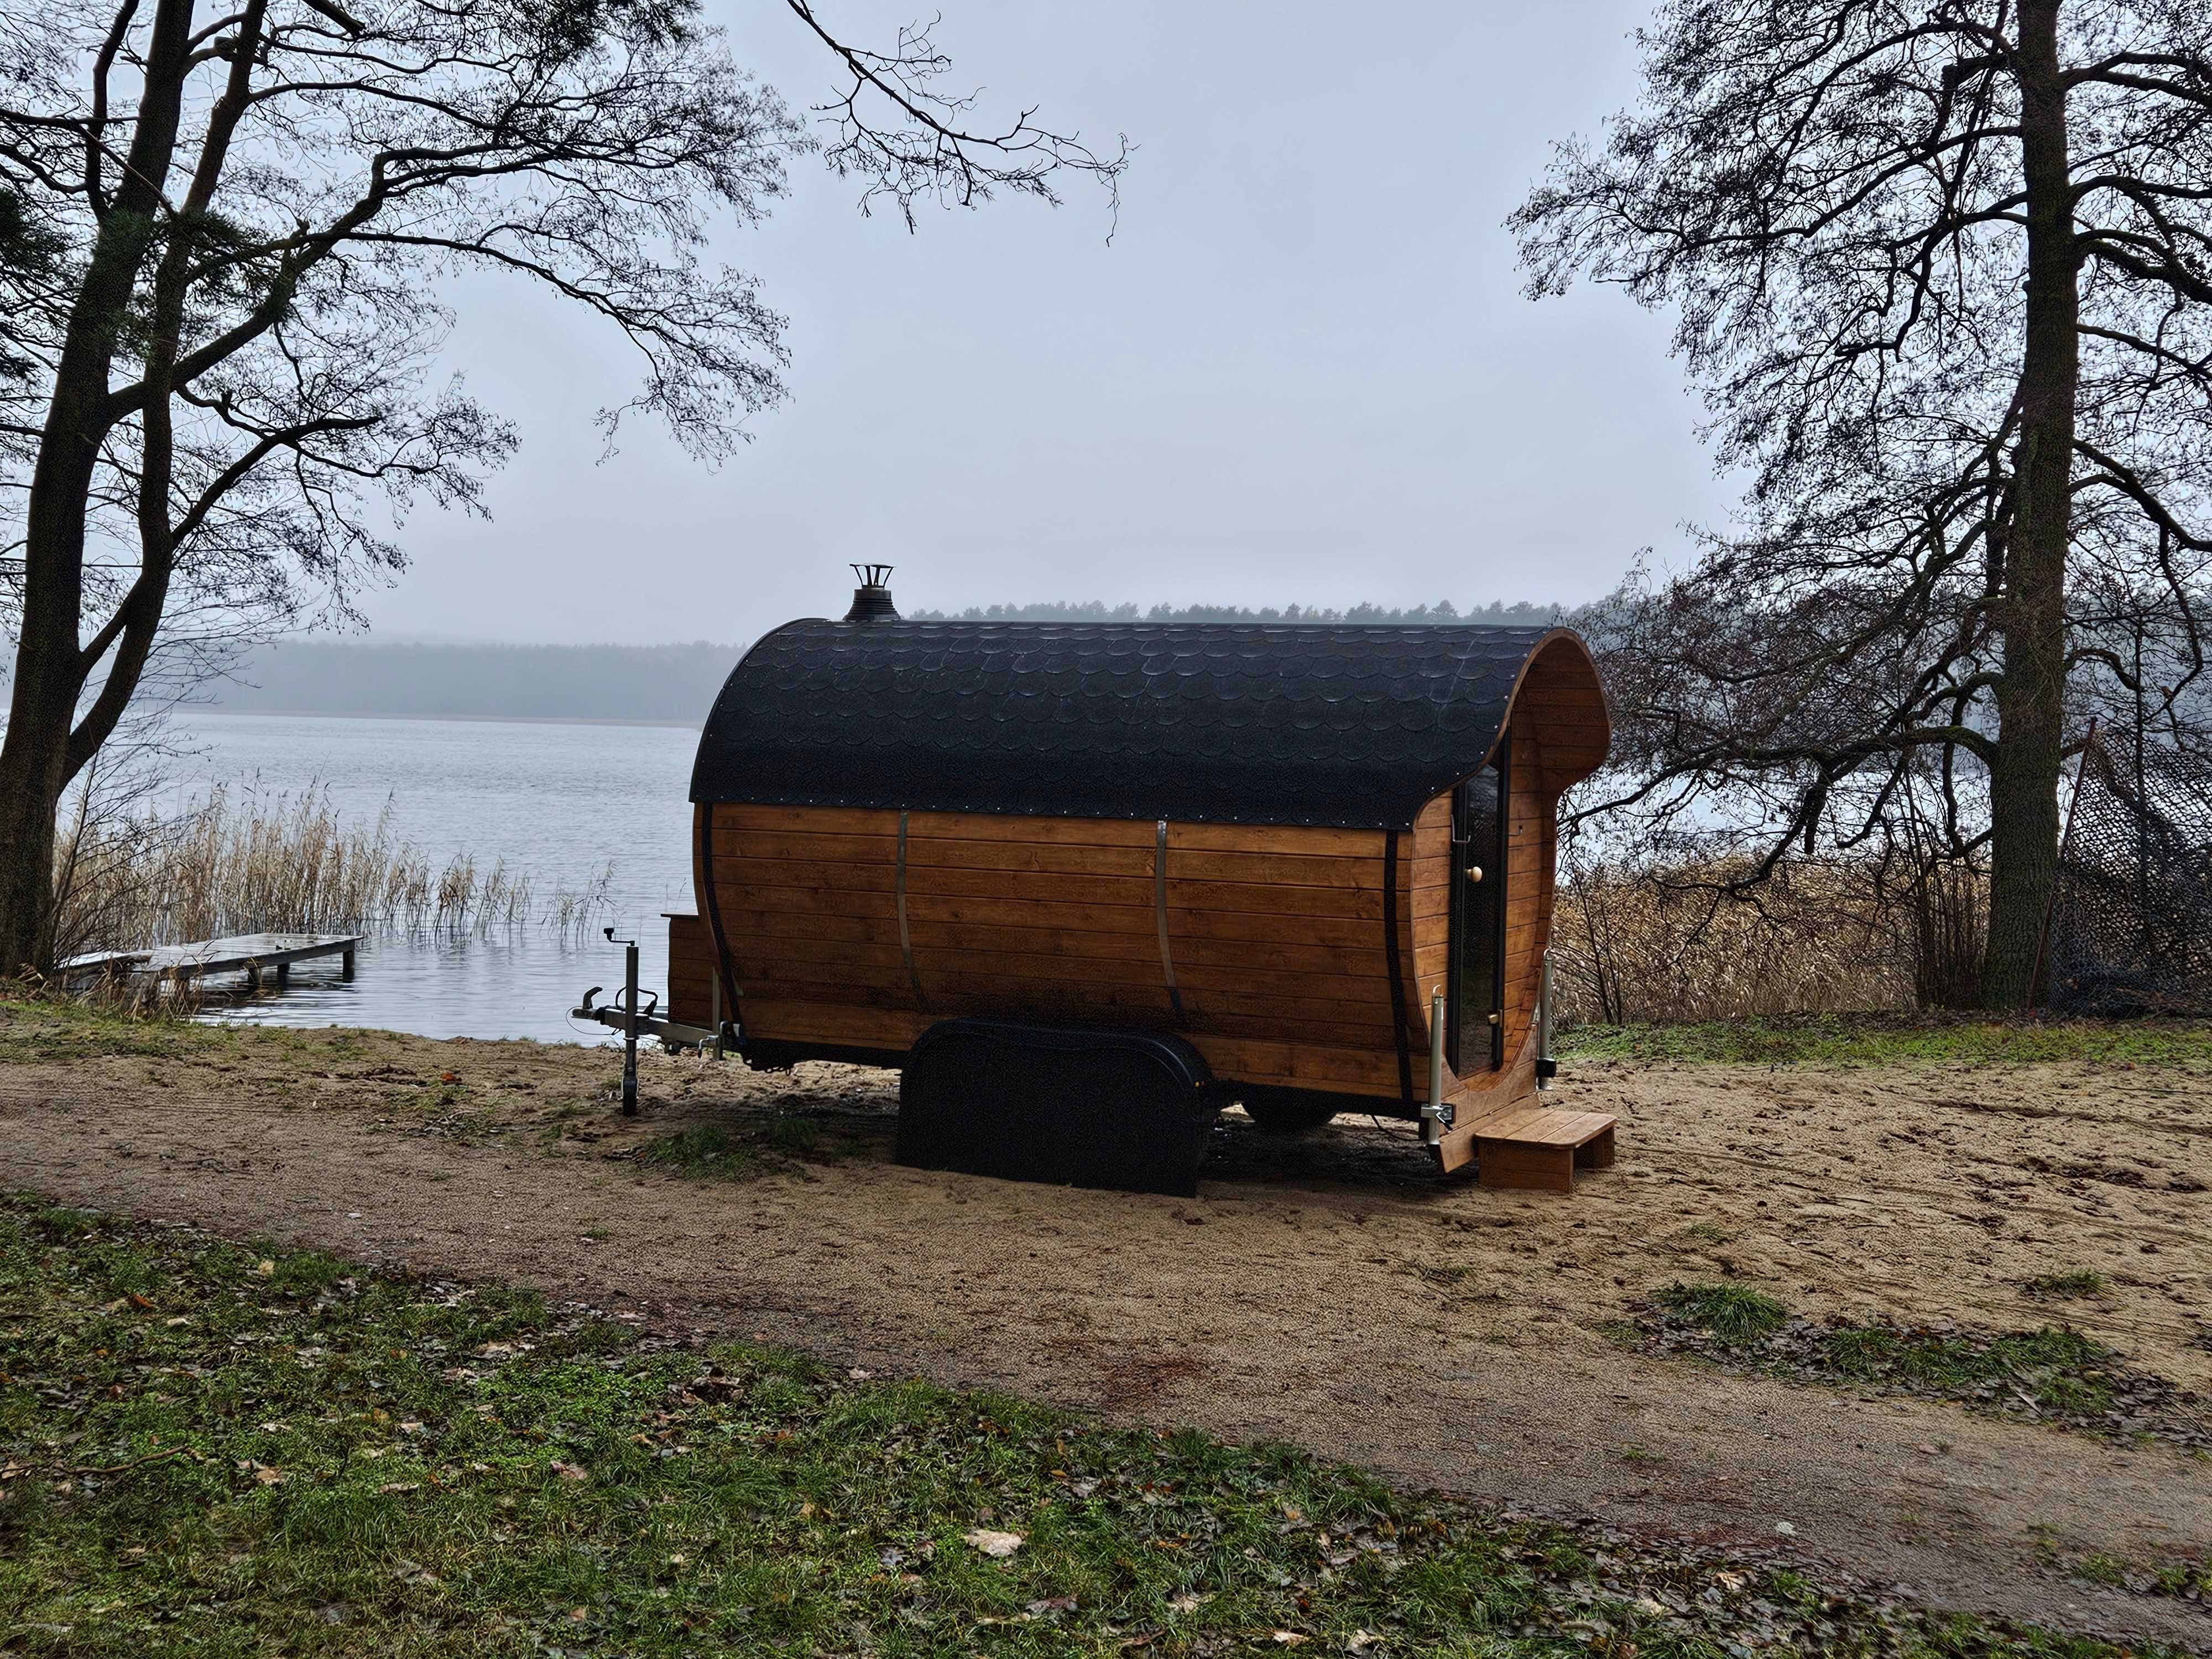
<point>1195,722</point>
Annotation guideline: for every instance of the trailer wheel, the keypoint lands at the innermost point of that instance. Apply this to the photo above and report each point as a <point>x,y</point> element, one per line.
<point>1288,1117</point>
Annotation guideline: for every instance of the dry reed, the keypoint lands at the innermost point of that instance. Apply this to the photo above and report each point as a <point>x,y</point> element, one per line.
<point>286,865</point>
<point>1637,944</point>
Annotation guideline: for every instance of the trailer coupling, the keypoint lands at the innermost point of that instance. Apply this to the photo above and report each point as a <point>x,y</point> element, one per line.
<point>674,1032</point>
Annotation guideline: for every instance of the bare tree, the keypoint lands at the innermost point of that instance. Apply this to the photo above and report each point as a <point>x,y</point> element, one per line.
<point>1943,272</point>
<point>221,240</point>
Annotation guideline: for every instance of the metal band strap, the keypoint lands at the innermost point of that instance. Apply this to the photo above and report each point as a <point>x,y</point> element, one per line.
<point>1397,967</point>
<point>1160,906</point>
<point>906,939</point>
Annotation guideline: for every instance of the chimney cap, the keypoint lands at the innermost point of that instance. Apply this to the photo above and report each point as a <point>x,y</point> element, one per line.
<point>871,600</point>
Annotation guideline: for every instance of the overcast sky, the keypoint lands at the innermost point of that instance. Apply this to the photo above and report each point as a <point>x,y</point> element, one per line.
<point>1302,370</point>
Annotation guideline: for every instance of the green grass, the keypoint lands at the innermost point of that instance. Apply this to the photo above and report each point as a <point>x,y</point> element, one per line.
<point>2053,1374</point>
<point>1897,1039</point>
<point>223,1451</point>
<point>1734,1313</point>
<point>708,1153</point>
<point>2191,1579</point>
<point>42,1029</point>
<point>2078,1283</point>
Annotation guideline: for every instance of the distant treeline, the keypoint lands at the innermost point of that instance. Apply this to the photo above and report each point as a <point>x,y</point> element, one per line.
<point>518,682</point>
<point>1493,615</point>
<point>657,681</point>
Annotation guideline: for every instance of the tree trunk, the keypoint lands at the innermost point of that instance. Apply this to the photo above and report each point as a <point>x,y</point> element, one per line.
<point>35,760</point>
<point>28,797</point>
<point>2032,695</point>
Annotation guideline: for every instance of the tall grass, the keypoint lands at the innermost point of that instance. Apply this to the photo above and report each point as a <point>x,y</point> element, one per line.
<point>126,881</point>
<point>1634,943</point>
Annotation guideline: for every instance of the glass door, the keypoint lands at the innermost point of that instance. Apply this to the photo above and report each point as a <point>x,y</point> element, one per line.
<point>1475,1039</point>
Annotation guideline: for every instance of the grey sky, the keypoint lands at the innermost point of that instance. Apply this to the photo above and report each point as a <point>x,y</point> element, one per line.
<point>1302,371</point>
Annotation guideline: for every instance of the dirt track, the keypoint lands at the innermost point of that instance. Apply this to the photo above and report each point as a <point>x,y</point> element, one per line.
<point>1330,1292</point>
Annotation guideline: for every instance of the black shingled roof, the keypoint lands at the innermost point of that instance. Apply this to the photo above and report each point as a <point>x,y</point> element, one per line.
<point>1196,722</point>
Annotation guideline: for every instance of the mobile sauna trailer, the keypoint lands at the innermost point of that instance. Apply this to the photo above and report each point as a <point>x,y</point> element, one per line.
<point>1086,883</point>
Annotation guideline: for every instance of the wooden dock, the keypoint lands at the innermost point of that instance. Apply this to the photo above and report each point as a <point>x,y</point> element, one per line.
<point>254,954</point>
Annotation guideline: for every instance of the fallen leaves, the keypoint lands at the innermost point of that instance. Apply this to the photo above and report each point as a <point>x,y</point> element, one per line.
<point>568,1471</point>
<point>996,1545</point>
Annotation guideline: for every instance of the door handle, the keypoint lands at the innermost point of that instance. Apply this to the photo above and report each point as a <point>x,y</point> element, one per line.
<point>1475,873</point>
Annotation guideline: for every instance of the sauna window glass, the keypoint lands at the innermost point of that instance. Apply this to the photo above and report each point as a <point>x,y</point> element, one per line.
<point>1476,1032</point>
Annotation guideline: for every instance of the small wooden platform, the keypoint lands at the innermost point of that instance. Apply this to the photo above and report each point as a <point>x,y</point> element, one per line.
<point>1532,1146</point>
<point>251,954</point>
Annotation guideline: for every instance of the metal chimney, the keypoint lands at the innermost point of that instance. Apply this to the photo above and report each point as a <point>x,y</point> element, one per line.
<point>871,600</point>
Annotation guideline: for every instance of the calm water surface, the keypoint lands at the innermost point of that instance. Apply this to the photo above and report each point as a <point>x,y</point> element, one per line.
<point>560,802</point>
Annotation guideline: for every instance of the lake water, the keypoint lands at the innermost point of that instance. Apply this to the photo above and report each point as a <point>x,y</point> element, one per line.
<point>560,802</point>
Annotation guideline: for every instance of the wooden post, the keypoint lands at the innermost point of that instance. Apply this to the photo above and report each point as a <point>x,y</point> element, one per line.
<point>345,970</point>
<point>629,1030</point>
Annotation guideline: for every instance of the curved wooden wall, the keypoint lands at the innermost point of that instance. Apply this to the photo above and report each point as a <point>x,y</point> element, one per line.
<point>1275,936</point>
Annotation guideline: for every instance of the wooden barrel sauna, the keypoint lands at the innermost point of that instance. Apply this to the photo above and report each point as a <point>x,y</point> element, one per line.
<point>1273,842</point>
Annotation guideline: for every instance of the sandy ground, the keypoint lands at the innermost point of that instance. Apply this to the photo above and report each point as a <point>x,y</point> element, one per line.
<point>1330,1291</point>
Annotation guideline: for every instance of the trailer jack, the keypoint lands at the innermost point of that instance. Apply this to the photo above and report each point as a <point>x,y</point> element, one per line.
<point>624,1015</point>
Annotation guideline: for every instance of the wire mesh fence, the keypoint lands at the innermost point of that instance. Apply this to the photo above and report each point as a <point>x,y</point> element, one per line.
<point>2131,929</point>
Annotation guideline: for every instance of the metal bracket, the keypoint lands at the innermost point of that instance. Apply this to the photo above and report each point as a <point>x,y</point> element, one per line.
<point>1436,1116</point>
<point>1546,1067</point>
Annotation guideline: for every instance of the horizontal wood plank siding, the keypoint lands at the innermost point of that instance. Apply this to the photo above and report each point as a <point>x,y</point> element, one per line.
<point>1276,933</point>
<point>690,969</point>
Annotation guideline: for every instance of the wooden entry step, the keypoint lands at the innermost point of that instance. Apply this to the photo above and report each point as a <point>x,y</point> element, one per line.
<point>1532,1146</point>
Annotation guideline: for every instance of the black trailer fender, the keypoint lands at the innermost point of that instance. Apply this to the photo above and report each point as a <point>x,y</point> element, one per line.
<point>1066,1104</point>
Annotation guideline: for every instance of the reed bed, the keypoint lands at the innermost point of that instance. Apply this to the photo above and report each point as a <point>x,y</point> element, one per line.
<point>1631,944</point>
<point>231,865</point>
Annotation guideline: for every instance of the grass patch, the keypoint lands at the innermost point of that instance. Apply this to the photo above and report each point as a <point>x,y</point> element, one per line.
<point>34,1029</point>
<point>2053,1375</point>
<point>707,1153</point>
<point>1897,1039</point>
<point>2184,1580</point>
<point>1736,1314</point>
<point>213,1450</point>
<point>2078,1283</point>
